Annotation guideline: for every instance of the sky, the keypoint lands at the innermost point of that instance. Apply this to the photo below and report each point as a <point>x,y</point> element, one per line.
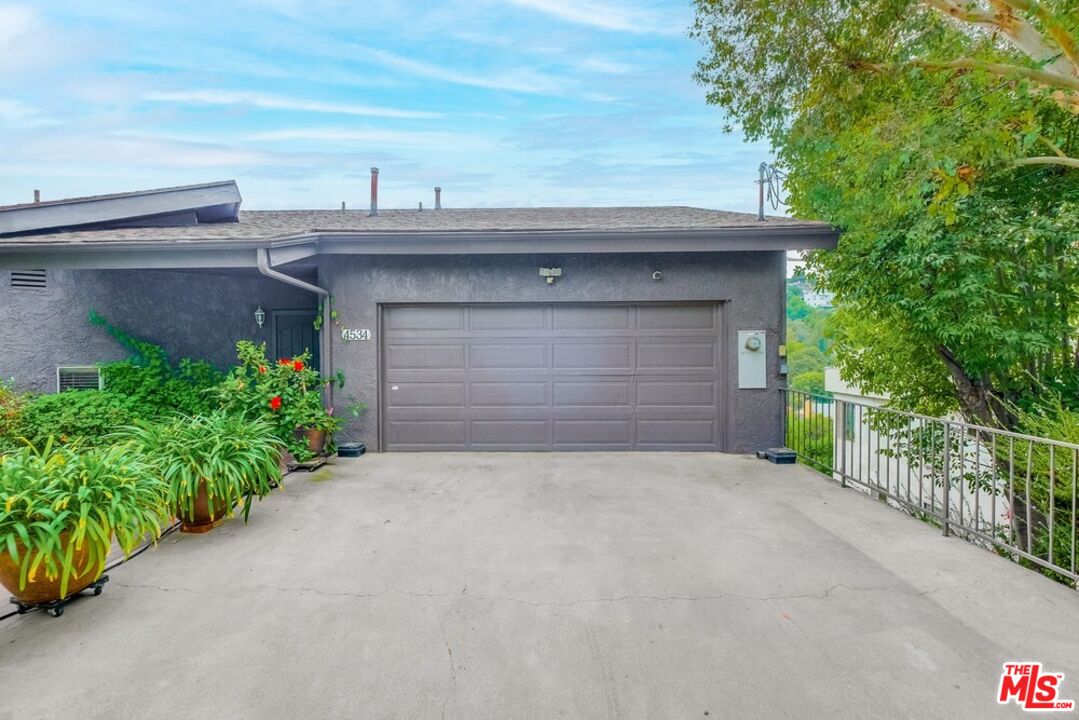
<point>515,103</point>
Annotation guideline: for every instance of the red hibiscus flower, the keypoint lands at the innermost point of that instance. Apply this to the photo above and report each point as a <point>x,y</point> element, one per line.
<point>262,369</point>
<point>298,365</point>
<point>284,361</point>
<point>275,402</point>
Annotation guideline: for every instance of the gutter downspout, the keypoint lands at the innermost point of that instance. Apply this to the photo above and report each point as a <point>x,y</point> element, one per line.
<point>265,268</point>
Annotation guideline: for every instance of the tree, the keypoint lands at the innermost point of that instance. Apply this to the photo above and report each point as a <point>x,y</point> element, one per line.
<point>941,137</point>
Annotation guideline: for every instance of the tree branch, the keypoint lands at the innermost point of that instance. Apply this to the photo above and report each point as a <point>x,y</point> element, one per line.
<point>1053,146</point>
<point>1056,29</point>
<point>1001,69</point>
<point>1049,160</point>
<point>1019,32</point>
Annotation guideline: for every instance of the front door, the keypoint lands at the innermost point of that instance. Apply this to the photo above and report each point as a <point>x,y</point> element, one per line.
<point>294,333</point>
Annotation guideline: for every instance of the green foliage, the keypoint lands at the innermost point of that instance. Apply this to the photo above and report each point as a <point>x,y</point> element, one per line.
<point>236,458</point>
<point>12,405</point>
<point>56,499</point>
<point>286,394</point>
<point>82,417</point>
<point>149,377</point>
<point>958,270</point>
<point>808,344</point>
<point>810,434</point>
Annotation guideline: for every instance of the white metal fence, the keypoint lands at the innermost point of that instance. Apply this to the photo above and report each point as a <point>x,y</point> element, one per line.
<point>1013,493</point>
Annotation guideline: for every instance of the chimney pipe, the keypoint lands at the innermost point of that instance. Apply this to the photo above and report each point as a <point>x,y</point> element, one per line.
<point>37,196</point>
<point>438,198</point>
<point>374,192</point>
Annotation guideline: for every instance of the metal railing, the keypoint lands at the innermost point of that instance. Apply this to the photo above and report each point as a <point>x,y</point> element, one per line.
<point>1012,493</point>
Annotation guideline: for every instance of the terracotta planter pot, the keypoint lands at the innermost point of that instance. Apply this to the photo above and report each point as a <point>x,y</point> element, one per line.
<point>316,440</point>
<point>42,589</point>
<point>200,521</point>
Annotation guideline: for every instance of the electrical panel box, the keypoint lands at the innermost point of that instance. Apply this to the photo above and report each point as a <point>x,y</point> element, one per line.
<point>752,360</point>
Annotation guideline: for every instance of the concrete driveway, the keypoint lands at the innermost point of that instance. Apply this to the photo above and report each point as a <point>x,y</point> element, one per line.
<point>548,586</point>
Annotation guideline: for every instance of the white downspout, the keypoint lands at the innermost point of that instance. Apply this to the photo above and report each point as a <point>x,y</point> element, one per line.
<point>326,336</point>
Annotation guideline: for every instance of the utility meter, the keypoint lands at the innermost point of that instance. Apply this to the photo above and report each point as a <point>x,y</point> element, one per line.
<point>752,360</point>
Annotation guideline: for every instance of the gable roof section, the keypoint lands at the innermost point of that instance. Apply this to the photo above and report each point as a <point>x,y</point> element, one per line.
<point>185,206</point>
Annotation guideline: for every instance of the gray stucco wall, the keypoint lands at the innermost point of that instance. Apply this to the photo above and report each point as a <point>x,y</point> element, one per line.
<point>192,314</point>
<point>751,283</point>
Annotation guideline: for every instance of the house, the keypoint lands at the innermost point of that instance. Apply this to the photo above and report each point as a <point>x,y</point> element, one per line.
<point>877,459</point>
<point>651,328</point>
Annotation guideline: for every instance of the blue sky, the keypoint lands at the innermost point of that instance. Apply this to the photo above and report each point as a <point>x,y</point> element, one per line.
<point>518,103</point>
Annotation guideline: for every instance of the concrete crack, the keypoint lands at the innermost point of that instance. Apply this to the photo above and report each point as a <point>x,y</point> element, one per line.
<point>452,689</point>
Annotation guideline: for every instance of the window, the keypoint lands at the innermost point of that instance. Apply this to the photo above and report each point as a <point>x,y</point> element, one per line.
<point>28,279</point>
<point>80,377</point>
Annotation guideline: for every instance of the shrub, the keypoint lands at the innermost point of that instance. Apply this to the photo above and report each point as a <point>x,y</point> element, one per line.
<point>149,377</point>
<point>84,417</point>
<point>286,394</point>
<point>236,458</point>
<point>12,404</point>
<point>811,435</point>
<point>56,498</point>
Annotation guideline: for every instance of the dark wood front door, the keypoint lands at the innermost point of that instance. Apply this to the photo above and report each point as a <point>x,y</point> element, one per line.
<point>294,333</point>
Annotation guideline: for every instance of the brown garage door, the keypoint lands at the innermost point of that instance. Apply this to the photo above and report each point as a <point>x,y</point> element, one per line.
<point>553,377</point>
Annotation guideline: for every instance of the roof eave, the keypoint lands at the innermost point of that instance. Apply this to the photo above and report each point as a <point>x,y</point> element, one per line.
<point>239,253</point>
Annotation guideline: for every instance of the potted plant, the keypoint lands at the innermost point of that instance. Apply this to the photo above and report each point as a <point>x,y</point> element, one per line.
<point>60,509</point>
<point>287,394</point>
<point>211,463</point>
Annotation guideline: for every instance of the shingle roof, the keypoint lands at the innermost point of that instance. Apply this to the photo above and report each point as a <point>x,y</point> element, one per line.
<point>270,224</point>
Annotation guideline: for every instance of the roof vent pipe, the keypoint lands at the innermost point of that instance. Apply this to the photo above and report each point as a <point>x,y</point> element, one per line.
<point>438,198</point>
<point>374,193</point>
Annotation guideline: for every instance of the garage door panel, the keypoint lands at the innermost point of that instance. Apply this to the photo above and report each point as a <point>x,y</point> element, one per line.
<point>509,356</point>
<point>426,394</point>
<point>507,317</point>
<point>510,432</point>
<point>676,317</point>
<point>548,376</point>
<point>593,432</point>
<point>680,354</point>
<point>676,393</point>
<point>435,434</point>
<point>592,393</point>
<point>592,317</point>
<point>513,393</point>
<point>426,317</point>
<point>614,355</point>
<point>425,357</point>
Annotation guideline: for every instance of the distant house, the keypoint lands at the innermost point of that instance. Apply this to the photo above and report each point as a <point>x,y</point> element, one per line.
<point>499,329</point>
<point>873,457</point>
<point>813,296</point>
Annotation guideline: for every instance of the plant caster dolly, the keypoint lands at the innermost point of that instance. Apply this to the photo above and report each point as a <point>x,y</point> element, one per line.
<point>56,607</point>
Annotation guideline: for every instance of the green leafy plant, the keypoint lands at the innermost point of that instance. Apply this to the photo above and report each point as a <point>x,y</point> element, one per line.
<point>286,394</point>
<point>234,457</point>
<point>58,500</point>
<point>149,377</point>
<point>12,404</point>
<point>82,417</point>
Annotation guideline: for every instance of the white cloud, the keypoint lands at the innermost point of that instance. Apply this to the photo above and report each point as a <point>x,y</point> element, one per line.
<point>522,81</point>
<point>605,65</point>
<point>602,15</point>
<point>273,102</point>
<point>15,21</point>
<point>387,138</point>
<point>16,113</point>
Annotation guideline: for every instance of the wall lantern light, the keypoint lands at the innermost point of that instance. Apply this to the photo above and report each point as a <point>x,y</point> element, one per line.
<point>260,315</point>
